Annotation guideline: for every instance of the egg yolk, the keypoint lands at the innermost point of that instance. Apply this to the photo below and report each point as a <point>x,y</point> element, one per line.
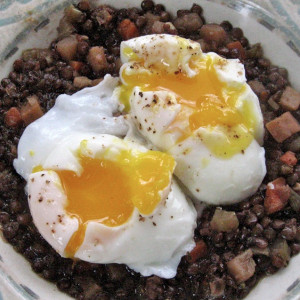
<point>205,100</point>
<point>107,191</point>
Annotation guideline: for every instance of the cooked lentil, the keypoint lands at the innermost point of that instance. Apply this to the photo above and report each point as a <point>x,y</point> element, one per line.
<point>265,241</point>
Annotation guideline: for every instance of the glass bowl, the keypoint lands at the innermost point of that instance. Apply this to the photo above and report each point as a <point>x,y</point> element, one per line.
<point>32,23</point>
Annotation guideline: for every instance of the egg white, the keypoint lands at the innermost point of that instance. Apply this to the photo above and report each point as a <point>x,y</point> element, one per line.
<point>149,244</point>
<point>208,178</point>
<point>89,111</point>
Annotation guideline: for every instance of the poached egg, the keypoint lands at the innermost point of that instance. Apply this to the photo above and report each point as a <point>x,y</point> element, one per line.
<point>198,108</point>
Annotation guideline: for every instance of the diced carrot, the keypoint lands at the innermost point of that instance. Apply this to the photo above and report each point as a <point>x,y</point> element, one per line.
<point>76,65</point>
<point>199,251</point>
<point>237,45</point>
<point>289,158</point>
<point>127,29</point>
<point>13,117</point>
<point>277,195</point>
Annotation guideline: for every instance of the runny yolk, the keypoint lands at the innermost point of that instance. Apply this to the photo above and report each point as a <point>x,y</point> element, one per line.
<point>99,193</point>
<point>206,101</point>
<point>108,190</point>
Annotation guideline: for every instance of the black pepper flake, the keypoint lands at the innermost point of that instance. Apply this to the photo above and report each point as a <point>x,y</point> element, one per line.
<point>29,196</point>
<point>32,179</point>
<point>41,199</point>
<point>53,231</point>
<point>197,190</point>
<point>169,102</point>
<point>60,218</point>
<point>140,126</point>
<point>243,151</point>
<point>176,72</point>
<point>146,121</point>
<point>141,218</point>
<point>47,181</point>
<point>171,217</point>
<point>154,224</point>
<point>47,223</point>
<point>43,175</point>
<point>147,105</point>
<point>141,94</point>
<point>149,128</point>
<point>154,131</point>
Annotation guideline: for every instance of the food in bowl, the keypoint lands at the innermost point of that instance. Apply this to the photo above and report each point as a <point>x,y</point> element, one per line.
<point>234,245</point>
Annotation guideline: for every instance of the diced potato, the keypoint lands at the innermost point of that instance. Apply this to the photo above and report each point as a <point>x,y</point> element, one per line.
<point>67,47</point>
<point>31,110</point>
<point>224,221</point>
<point>242,267</point>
